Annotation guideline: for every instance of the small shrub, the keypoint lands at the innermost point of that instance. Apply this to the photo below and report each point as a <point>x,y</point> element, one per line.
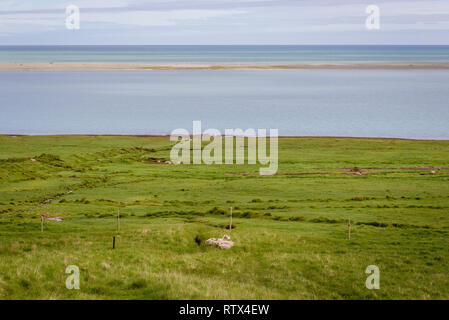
<point>400,225</point>
<point>324,220</point>
<point>104,215</point>
<point>216,210</point>
<point>359,198</point>
<point>277,207</point>
<point>138,284</point>
<point>25,283</point>
<point>299,218</point>
<point>249,214</point>
<point>373,224</point>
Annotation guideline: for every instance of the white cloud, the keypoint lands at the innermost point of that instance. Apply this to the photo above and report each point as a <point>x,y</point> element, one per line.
<point>254,19</point>
<point>24,5</point>
<point>132,18</point>
<point>156,18</point>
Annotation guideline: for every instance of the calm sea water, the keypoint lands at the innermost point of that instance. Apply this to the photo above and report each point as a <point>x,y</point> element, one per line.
<point>368,103</point>
<point>222,53</point>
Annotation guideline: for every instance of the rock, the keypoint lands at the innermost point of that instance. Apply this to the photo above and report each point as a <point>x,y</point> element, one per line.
<point>223,243</point>
<point>211,242</point>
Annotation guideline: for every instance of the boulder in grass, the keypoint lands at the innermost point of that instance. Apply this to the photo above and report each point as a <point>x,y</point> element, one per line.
<point>222,243</point>
<point>225,245</point>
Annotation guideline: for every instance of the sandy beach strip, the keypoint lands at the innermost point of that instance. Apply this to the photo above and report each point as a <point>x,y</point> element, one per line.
<point>61,66</point>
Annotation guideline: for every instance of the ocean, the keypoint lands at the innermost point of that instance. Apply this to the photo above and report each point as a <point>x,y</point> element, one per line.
<point>362,103</point>
<point>224,53</point>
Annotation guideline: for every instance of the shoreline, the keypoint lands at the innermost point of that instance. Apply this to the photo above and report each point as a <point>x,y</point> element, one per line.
<point>104,66</point>
<point>168,136</point>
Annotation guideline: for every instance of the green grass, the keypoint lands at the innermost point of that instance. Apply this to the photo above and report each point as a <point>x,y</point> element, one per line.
<point>291,229</point>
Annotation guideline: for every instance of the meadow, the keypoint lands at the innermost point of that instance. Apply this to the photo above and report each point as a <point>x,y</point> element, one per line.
<point>290,229</point>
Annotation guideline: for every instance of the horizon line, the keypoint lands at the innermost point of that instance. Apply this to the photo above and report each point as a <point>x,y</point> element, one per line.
<point>220,45</point>
<point>168,135</point>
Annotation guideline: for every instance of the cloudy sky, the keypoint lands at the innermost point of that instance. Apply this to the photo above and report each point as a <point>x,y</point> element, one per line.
<point>40,22</point>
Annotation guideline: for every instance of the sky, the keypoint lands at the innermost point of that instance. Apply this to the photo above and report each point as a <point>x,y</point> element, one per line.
<point>223,22</point>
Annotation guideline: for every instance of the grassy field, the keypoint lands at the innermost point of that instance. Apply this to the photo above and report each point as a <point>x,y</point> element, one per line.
<point>290,231</point>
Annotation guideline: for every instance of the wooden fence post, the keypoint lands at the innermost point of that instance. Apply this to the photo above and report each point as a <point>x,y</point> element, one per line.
<point>230,224</point>
<point>349,229</point>
<point>118,220</point>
